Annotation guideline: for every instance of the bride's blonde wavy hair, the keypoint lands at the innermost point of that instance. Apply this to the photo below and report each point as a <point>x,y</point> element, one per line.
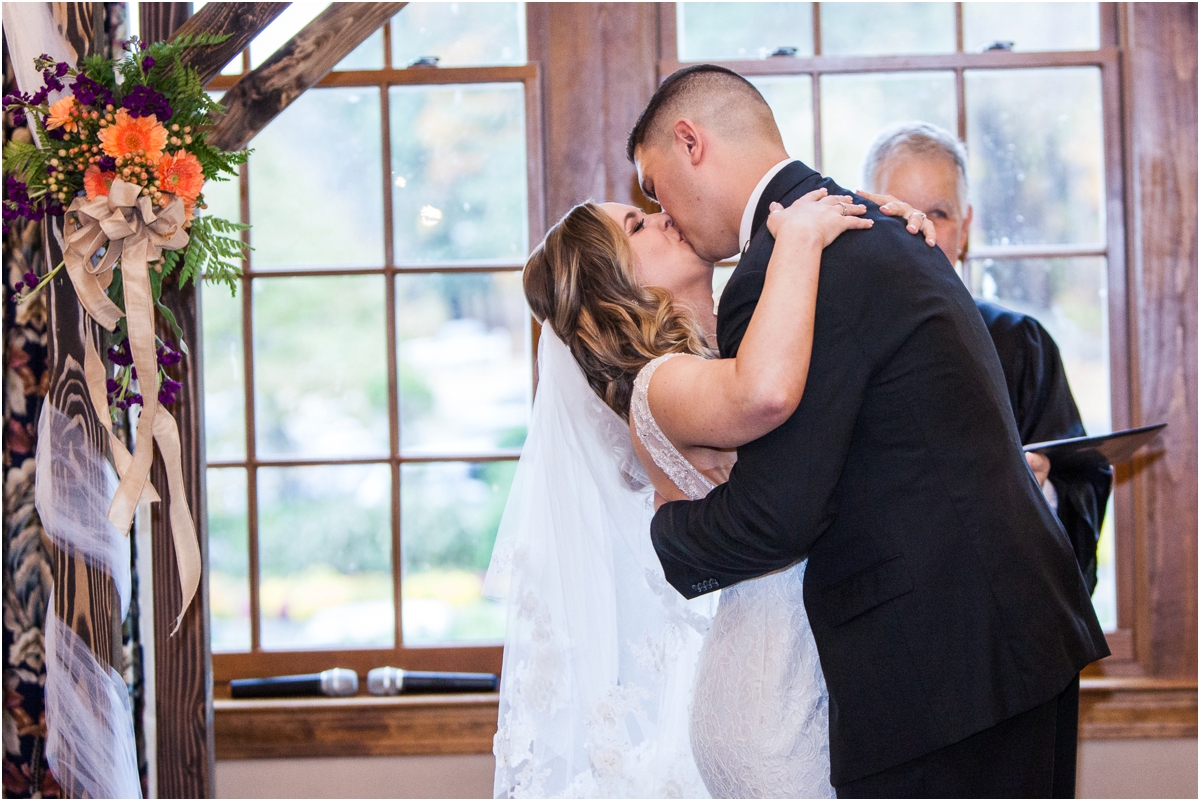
<point>581,281</point>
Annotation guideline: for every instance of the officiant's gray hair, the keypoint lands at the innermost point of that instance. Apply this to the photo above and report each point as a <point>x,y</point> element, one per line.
<point>915,139</point>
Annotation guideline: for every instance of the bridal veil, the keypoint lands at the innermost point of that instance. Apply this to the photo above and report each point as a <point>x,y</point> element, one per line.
<point>600,652</point>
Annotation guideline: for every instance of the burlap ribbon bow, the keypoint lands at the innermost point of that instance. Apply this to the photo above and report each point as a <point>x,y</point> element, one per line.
<point>127,226</point>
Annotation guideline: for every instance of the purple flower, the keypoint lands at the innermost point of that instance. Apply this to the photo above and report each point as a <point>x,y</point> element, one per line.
<point>50,76</point>
<point>107,164</point>
<point>121,404</point>
<point>61,69</point>
<point>30,278</point>
<point>144,101</point>
<point>39,96</point>
<point>134,399</point>
<point>119,353</point>
<point>168,393</point>
<point>19,286</point>
<point>113,386</point>
<point>168,356</point>
<point>57,135</point>
<point>18,117</point>
<point>147,64</point>
<point>90,93</point>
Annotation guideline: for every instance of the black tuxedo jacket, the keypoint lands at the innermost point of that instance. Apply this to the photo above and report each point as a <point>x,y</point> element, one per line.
<point>942,592</point>
<point>1045,410</point>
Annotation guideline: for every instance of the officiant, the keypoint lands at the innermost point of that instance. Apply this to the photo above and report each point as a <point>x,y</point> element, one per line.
<point>926,166</point>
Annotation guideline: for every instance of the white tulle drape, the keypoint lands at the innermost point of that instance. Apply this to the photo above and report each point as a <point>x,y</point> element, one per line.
<point>89,726</point>
<point>600,652</point>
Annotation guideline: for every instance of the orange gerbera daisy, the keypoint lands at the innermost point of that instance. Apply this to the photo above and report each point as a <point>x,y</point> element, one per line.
<point>60,114</point>
<point>96,183</point>
<point>180,174</point>
<point>127,135</point>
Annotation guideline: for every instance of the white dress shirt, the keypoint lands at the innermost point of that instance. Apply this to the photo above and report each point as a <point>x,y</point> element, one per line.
<point>748,214</point>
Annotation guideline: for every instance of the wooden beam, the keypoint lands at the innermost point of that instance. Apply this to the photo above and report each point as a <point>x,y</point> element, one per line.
<point>243,21</point>
<point>183,663</point>
<point>85,596</point>
<point>261,95</point>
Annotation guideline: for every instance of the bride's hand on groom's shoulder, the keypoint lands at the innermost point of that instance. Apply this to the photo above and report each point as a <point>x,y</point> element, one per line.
<point>918,222</point>
<point>817,216</point>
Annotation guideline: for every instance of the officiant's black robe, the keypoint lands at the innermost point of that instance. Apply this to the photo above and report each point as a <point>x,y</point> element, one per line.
<point>1045,410</point>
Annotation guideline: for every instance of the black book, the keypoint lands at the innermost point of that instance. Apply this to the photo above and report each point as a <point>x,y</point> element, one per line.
<point>1117,447</point>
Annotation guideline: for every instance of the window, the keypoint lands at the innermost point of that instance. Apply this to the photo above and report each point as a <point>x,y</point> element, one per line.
<point>368,390</point>
<point>1032,89</point>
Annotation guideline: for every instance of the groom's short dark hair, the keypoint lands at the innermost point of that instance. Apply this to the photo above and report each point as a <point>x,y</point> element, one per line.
<point>683,88</point>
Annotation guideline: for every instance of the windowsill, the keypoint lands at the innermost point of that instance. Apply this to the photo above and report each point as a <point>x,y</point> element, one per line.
<point>1110,708</point>
<point>355,726</point>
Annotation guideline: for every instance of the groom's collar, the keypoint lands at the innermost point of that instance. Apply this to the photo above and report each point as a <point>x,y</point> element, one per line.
<point>747,227</point>
<point>786,180</point>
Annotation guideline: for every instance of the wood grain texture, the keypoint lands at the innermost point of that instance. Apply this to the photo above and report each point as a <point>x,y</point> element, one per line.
<point>158,21</point>
<point>1137,709</point>
<point>85,597</point>
<point>243,21</point>
<point>183,662</point>
<point>360,726</point>
<point>1159,41</point>
<point>599,59</point>
<point>263,93</point>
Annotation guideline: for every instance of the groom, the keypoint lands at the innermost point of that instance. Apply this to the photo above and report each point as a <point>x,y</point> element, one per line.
<point>950,615</point>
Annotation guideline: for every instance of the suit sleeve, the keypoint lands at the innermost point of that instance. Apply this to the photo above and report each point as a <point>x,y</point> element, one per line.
<point>1046,410</point>
<point>779,496</point>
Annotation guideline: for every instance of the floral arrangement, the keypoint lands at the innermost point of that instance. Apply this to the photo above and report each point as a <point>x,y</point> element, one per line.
<point>129,139</point>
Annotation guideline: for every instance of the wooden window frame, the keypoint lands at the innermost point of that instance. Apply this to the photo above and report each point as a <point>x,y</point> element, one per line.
<point>468,657</point>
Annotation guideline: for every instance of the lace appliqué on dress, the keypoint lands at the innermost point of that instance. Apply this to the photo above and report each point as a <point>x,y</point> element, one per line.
<point>681,472</point>
<point>760,710</point>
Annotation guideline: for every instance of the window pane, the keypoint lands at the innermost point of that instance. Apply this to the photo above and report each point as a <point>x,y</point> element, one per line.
<point>320,367</point>
<point>224,376</point>
<point>316,195</point>
<point>465,375</point>
<point>856,108</point>
<point>228,559</point>
<point>1035,139</point>
<point>1032,26</point>
<point>1104,599</point>
<point>325,556</point>
<point>741,31</point>
<point>367,56</point>
<point>459,34</point>
<point>1069,297</point>
<point>882,29</point>
<point>790,99</point>
<point>459,188</point>
<point>449,515</point>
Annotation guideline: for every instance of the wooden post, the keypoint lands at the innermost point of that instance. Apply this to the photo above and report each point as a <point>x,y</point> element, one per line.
<point>85,596</point>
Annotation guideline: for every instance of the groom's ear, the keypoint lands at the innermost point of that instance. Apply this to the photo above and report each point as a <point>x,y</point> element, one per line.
<point>689,140</point>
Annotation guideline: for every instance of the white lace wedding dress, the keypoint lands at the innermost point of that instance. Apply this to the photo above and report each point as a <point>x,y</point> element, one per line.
<point>760,710</point>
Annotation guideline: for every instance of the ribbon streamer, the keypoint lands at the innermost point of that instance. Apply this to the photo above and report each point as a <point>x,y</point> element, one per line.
<point>126,225</point>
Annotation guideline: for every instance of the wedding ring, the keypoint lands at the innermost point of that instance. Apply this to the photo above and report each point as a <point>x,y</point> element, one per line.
<point>842,208</point>
<point>920,214</point>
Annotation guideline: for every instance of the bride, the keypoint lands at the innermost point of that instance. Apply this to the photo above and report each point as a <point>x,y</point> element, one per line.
<point>613,684</point>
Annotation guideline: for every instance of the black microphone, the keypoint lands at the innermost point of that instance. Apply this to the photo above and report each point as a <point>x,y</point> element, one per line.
<point>392,681</point>
<point>333,682</point>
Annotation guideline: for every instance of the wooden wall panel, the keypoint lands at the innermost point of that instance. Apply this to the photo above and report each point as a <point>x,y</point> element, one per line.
<point>1159,43</point>
<point>599,62</point>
